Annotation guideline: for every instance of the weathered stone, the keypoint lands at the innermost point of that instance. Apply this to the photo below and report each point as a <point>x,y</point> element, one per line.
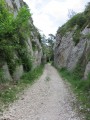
<point>63,49</point>
<point>86,31</point>
<point>18,72</point>
<point>37,54</point>
<point>9,2</point>
<point>87,71</point>
<point>6,73</point>
<point>76,54</point>
<point>29,47</point>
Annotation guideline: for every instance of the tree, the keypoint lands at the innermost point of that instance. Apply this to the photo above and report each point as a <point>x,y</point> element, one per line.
<point>87,9</point>
<point>51,40</point>
<point>71,13</point>
<point>87,12</point>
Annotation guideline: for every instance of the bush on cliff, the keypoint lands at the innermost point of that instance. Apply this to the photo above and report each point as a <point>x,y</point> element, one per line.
<point>13,31</point>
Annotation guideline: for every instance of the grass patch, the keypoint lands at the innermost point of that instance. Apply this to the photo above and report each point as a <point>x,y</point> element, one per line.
<point>9,91</point>
<point>31,76</point>
<point>81,89</point>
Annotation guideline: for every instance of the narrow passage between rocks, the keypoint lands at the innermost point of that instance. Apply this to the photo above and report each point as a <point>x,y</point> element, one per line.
<point>47,99</point>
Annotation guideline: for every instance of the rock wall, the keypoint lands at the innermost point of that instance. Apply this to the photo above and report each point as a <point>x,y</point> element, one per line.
<point>68,55</point>
<point>35,55</point>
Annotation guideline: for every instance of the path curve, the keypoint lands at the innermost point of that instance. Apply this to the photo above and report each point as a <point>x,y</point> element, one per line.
<point>47,99</point>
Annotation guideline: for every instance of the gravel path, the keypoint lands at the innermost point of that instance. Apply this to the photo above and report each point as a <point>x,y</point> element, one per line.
<point>48,99</point>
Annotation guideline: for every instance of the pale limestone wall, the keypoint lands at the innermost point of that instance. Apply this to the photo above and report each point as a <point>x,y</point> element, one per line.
<point>67,55</point>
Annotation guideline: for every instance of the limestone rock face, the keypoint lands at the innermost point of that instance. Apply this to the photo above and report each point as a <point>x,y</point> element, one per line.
<point>69,55</point>
<point>63,49</point>
<point>87,71</point>
<point>86,31</point>
<point>37,53</point>
<point>18,72</point>
<point>76,54</point>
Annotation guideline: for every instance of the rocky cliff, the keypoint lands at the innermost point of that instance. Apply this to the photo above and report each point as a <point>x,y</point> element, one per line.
<point>72,48</point>
<point>25,52</point>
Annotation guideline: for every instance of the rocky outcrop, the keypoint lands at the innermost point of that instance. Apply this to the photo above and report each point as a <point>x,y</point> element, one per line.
<point>87,70</point>
<point>68,55</point>
<point>63,49</point>
<point>76,54</point>
<point>33,55</point>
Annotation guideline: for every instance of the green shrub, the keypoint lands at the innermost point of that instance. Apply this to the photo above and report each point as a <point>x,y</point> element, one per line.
<point>73,21</point>
<point>32,75</point>
<point>13,34</point>
<point>76,36</point>
<point>62,30</point>
<point>78,21</point>
<point>1,76</point>
<point>81,20</point>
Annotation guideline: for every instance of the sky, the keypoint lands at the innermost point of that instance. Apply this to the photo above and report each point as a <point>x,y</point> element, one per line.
<point>49,15</point>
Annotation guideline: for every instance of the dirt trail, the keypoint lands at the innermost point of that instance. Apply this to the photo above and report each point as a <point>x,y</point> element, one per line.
<point>48,99</point>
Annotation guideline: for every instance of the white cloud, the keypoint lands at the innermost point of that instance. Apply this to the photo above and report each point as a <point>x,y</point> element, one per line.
<point>48,15</point>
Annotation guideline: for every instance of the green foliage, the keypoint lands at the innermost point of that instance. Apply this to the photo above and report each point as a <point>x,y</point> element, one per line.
<point>62,30</point>
<point>47,47</point>
<point>8,95</point>
<point>81,20</point>
<point>6,19</point>
<point>87,9</point>
<point>32,75</point>
<point>2,79</point>
<point>39,37</point>
<point>21,20</point>
<point>80,87</point>
<point>1,76</point>
<point>13,34</point>
<point>75,20</point>
<point>13,39</point>
<point>34,46</point>
<point>78,19</point>
<point>76,36</point>
<point>26,61</point>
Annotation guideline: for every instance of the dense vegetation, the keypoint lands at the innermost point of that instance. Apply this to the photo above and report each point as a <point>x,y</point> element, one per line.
<point>48,47</point>
<point>77,23</point>
<point>12,36</point>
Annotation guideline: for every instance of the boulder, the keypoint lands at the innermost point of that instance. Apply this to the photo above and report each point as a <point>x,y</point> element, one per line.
<point>6,73</point>
<point>18,72</point>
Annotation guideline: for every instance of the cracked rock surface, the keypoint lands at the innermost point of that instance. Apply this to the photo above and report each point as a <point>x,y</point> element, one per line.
<point>47,99</point>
